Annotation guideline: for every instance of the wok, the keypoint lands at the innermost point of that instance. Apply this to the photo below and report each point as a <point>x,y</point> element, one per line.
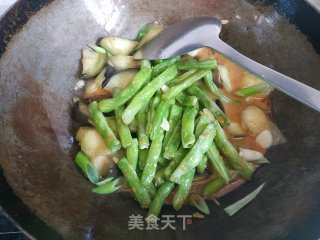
<point>46,195</point>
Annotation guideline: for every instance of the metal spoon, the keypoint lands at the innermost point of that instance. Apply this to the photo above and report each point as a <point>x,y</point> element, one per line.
<point>193,33</point>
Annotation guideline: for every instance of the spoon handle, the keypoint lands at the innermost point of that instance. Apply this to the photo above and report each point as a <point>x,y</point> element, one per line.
<point>301,92</point>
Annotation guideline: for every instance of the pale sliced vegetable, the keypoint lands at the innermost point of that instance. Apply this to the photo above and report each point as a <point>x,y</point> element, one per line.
<point>123,62</point>
<point>254,119</point>
<point>249,80</point>
<point>118,46</point>
<point>92,63</point>
<point>194,53</point>
<point>236,130</point>
<point>93,87</point>
<point>225,78</point>
<point>234,208</point>
<point>250,155</point>
<point>93,146</point>
<point>165,125</point>
<point>165,88</point>
<point>277,136</point>
<point>83,108</point>
<point>121,80</point>
<point>153,32</point>
<point>199,203</point>
<point>265,139</point>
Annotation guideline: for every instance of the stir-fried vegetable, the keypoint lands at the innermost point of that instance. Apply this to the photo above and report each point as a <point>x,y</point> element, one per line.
<point>234,208</point>
<point>164,121</point>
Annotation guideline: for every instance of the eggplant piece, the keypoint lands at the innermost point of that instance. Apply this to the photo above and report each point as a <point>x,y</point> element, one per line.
<point>118,46</point>
<point>92,63</point>
<point>154,31</point>
<point>123,62</point>
<point>121,80</point>
<point>93,88</point>
<point>80,113</point>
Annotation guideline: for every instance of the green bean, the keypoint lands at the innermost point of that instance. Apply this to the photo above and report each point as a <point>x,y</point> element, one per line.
<point>147,92</point>
<point>174,163</point>
<point>197,64</point>
<point>194,156</point>
<point>87,167</point>
<point>133,153</point>
<point>162,112</point>
<point>182,78</point>
<point>212,153</point>
<point>154,102</point>
<point>173,142</point>
<point>138,190</point>
<point>187,127</point>
<point>218,163</point>
<point>199,202</point>
<point>245,168</point>
<point>175,117</point>
<point>216,184</point>
<point>162,193</point>
<point>175,90</point>
<point>143,155</point>
<point>159,177</point>
<point>123,129</point>
<point>109,187</point>
<point>187,101</point>
<point>202,165</point>
<point>139,80</point>
<point>183,190</point>
<point>111,120</point>
<point>163,65</point>
<point>208,80</point>
<point>141,117</point>
<point>152,160</point>
<point>208,103</point>
<point>103,128</point>
<point>259,88</point>
<point>163,161</point>
<point>133,126</point>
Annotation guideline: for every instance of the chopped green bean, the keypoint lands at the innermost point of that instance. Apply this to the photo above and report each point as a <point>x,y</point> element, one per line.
<point>208,103</point>
<point>177,89</point>
<point>159,177</point>
<point>137,188</point>
<point>143,138</point>
<point>152,160</point>
<point>139,80</point>
<point>183,190</point>
<point>163,65</point>
<point>187,127</point>
<point>147,92</point>
<point>154,102</point>
<point>197,64</point>
<point>162,112</point>
<point>187,101</point>
<point>103,128</point>
<point>194,156</point>
<point>173,142</point>
<point>143,31</point>
<point>163,161</point>
<point>174,118</point>
<point>259,88</point>
<point>162,193</point>
<point>245,168</point>
<point>202,165</point>
<point>216,184</point>
<point>123,129</point>
<point>174,163</point>
<point>143,155</point>
<point>208,80</point>
<point>133,153</point>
